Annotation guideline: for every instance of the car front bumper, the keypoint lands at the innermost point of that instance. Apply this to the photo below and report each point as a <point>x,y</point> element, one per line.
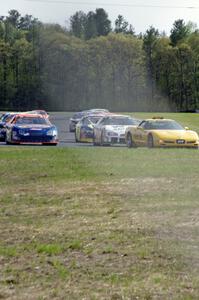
<point>175,144</point>
<point>119,139</point>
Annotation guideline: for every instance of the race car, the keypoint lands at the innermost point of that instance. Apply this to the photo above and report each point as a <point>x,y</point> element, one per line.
<point>31,129</point>
<point>160,132</point>
<point>85,128</point>
<point>4,119</point>
<point>111,129</point>
<point>75,119</point>
<point>79,115</point>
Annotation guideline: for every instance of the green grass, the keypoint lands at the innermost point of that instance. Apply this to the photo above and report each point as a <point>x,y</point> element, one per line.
<point>99,223</point>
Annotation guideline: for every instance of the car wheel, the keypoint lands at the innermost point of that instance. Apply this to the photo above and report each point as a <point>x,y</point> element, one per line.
<point>102,139</point>
<point>150,142</point>
<point>76,139</point>
<point>129,141</point>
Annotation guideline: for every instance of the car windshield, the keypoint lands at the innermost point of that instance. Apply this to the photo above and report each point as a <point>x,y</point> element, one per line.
<point>40,112</point>
<point>6,117</point>
<point>31,120</point>
<point>2,118</point>
<point>121,121</point>
<point>44,113</point>
<point>94,120</point>
<point>163,125</point>
<point>78,115</point>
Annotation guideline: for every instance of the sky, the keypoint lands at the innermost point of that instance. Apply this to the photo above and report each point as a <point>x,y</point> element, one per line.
<point>141,18</point>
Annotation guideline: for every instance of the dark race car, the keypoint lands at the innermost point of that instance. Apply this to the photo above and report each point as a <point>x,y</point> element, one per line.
<point>31,129</point>
<point>79,115</point>
<point>75,119</point>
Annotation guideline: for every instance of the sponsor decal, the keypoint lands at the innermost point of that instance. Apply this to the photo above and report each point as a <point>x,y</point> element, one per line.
<point>180,141</point>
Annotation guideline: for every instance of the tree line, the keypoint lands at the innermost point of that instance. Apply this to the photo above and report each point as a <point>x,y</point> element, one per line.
<point>92,64</point>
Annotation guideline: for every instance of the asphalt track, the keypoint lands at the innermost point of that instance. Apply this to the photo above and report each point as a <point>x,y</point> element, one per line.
<point>66,138</point>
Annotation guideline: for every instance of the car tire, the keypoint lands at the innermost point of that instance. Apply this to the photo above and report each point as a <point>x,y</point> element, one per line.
<point>129,141</point>
<point>76,139</point>
<point>150,142</point>
<point>71,129</point>
<point>102,140</point>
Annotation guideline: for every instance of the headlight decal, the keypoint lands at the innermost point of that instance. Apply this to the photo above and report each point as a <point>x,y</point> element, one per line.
<point>52,132</point>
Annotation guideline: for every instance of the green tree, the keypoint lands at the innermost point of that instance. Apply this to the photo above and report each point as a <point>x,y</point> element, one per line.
<point>103,24</point>
<point>5,74</point>
<point>13,17</point>
<point>78,23</point>
<point>90,27</point>
<point>149,40</point>
<point>122,26</point>
<point>179,32</point>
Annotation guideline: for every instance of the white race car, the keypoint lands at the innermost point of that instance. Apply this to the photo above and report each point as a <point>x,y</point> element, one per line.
<point>111,129</point>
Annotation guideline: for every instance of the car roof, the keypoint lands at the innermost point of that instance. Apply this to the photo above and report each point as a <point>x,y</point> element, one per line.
<point>158,119</point>
<point>29,115</point>
<point>94,116</point>
<point>99,109</point>
<point>10,113</point>
<point>117,115</point>
<point>36,111</point>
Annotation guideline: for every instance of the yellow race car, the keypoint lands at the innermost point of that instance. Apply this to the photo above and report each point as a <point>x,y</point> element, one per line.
<point>160,132</point>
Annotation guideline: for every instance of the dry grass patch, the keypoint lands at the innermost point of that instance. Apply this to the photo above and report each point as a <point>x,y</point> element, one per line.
<point>93,230</point>
<point>109,240</point>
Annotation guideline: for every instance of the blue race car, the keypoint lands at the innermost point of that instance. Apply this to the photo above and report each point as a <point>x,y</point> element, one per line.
<point>31,129</point>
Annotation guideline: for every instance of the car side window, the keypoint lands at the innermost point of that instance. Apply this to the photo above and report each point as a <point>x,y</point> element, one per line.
<point>102,122</point>
<point>107,121</point>
<point>147,125</point>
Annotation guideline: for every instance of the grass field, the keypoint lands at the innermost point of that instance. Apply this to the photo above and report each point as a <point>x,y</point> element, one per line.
<point>99,223</point>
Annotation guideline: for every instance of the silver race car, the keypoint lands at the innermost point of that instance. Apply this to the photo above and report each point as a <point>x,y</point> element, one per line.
<point>111,129</point>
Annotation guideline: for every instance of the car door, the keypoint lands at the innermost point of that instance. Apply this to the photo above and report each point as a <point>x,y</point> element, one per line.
<point>139,134</point>
<point>146,127</point>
